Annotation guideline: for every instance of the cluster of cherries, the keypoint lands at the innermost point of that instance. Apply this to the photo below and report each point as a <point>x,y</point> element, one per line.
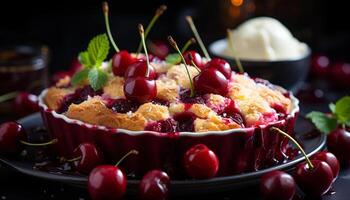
<point>109,181</point>
<point>337,72</point>
<point>314,177</point>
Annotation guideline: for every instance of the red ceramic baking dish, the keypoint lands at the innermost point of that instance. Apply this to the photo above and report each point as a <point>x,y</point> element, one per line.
<point>239,150</point>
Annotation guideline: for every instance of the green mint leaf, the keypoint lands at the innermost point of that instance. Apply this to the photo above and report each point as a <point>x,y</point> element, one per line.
<point>84,59</point>
<point>97,78</point>
<point>173,58</point>
<point>342,110</point>
<point>332,107</point>
<point>323,122</point>
<point>98,49</point>
<point>80,76</point>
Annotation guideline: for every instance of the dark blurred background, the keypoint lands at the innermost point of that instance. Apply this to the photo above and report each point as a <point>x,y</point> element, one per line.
<point>66,26</point>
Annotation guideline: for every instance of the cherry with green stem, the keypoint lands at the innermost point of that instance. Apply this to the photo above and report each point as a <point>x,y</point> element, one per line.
<point>198,38</point>
<point>105,10</point>
<point>187,44</point>
<point>309,173</point>
<point>108,181</point>
<point>230,42</point>
<point>174,44</point>
<point>11,138</point>
<point>158,13</point>
<point>141,88</point>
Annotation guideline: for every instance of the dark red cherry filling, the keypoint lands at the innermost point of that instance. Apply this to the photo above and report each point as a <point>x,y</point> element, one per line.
<point>80,95</point>
<point>164,126</point>
<point>123,105</point>
<point>185,122</point>
<point>185,97</point>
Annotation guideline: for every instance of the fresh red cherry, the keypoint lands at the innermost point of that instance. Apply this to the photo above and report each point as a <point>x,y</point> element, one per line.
<point>338,142</point>
<point>277,185</point>
<point>60,75</point>
<point>107,182</point>
<point>140,89</point>
<point>10,135</point>
<point>159,48</point>
<point>87,157</point>
<point>340,74</point>
<point>314,181</point>
<point>139,68</point>
<point>320,65</point>
<point>120,62</point>
<point>220,65</point>
<point>200,162</point>
<point>330,159</point>
<point>25,104</point>
<point>211,80</point>
<point>154,186</point>
<point>197,59</point>
<point>75,66</point>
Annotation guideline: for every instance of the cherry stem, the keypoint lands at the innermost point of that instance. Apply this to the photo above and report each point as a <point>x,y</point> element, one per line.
<point>8,96</point>
<point>296,144</point>
<point>174,44</point>
<point>54,141</point>
<point>187,44</point>
<point>194,64</point>
<point>158,13</point>
<point>74,159</point>
<point>134,152</point>
<point>105,10</point>
<point>198,38</point>
<point>142,34</point>
<point>230,43</point>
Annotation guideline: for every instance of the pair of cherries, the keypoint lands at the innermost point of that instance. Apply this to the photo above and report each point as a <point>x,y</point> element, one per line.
<point>110,182</point>
<point>138,86</point>
<point>214,77</point>
<point>314,181</point>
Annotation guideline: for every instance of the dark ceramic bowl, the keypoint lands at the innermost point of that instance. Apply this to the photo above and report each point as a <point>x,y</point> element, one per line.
<point>239,150</point>
<point>287,73</point>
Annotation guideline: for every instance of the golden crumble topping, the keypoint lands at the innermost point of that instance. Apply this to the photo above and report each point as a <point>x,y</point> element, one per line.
<point>167,89</point>
<point>153,112</point>
<point>94,111</point>
<point>214,123</point>
<point>179,74</point>
<point>114,87</point>
<point>54,97</point>
<point>201,110</point>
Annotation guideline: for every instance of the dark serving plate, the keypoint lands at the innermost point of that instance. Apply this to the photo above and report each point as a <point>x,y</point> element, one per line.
<point>312,144</point>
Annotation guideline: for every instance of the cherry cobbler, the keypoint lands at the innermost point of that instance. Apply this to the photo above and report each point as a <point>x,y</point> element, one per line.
<point>246,103</point>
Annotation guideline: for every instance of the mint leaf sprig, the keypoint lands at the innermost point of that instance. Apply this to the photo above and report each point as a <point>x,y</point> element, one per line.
<point>92,60</point>
<point>340,115</point>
